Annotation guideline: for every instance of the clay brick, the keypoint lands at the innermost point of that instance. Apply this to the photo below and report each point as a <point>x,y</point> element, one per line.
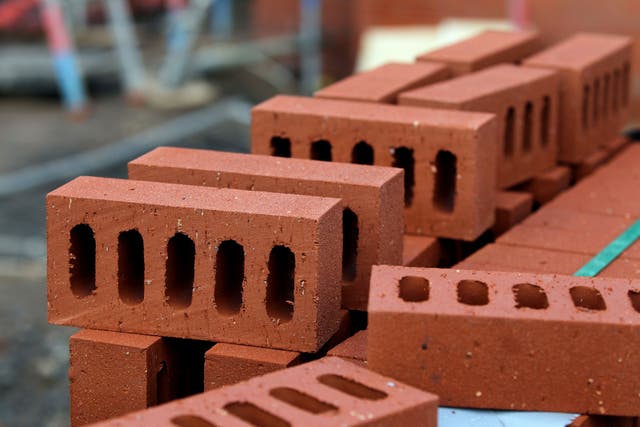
<point>447,155</point>
<point>604,421</point>
<point>549,184</point>
<point>531,260</point>
<point>114,373</point>
<point>143,257</point>
<point>353,349</point>
<point>525,100</point>
<point>484,50</point>
<point>227,364</point>
<point>383,84</point>
<point>328,391</point>
<point>590,164</point>
<point>616,145</point>
<point>595,85</point>
<point>512,207</point>
<point>522,341</point>
<point>420,251</point>
<point>372,199</point>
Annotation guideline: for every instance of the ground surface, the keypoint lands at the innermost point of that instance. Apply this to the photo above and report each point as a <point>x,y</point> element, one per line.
<point>33,354</point>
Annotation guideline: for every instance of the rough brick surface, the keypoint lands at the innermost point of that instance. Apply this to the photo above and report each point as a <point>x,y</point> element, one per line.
<point>484,50</point>
<point>227,364</point>
<point>512,207</point>
<point>180,272</point>
<point>383,84</point>
<point>328,391</point>
<point>447,155</point>
<point>114,373</point>
<point>526,102</point>
<point>595,85</point>
<point>373,234</point>
<point>522,341</point>
<point>421,251</point>
<point>353,349</point>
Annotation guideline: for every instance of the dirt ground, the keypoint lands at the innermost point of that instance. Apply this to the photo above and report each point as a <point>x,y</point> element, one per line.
<point>33,354</point>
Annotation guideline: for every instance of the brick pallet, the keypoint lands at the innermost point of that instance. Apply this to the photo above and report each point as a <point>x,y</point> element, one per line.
<point>214,274</point>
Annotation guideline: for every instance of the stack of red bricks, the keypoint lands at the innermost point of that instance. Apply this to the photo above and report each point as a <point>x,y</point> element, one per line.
<point>208,269</point>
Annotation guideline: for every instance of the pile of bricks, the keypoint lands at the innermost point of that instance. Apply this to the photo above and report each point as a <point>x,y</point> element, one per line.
<point>249,277</point>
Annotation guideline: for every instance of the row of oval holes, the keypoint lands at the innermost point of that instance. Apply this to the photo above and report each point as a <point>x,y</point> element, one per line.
<point>527,127</point>
<point>256,416</point>
<point>445,166</point>
<point>526,295</point>
<point>179,275</point>
<point>613,96</point>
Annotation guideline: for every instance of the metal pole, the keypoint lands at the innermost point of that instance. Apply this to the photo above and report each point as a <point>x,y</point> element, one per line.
<point>310,45</point>
<point>64,57</point>
<point>131,68</point>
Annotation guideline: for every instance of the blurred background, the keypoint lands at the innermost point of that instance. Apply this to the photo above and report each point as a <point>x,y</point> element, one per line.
<point>87,85</point>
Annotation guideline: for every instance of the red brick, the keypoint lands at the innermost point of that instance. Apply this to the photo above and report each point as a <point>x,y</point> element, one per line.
<point>530,260</point>
<point>96,281</point>
<point>392,135</point>
<point>227,364</point>
<point>384,84</point>
<point>314,394</point>
<point>519,97</point>
<point>373,194</point>
<point>590,164</point>
<point>547,185</point>
<point>592,110</point>
<point>527,348</point>
<point>353,349</point>
<point>114,373</point>
<point>484,50</point>
<point>421,251</point>
<point>604,421</point>
<point>616,145</point>
<point>512,207</point>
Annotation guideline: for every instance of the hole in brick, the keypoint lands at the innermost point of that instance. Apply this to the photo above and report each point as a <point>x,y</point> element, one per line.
<point>596,100</point>
<point>362,154</point>
<point>605,95</point>
<point>587,298</point>
<point>351,387</point>
<point>82,260</point>
<point>509,132</point>
<point>163,388</point>
<point>229,277</point>
<point>280,283</point>
<point>615,96</point>
<point>527,124</point>
<point>626,77</point>
<point>181,253</point>
<point>301,400</point>
<point>191,421</point>
<point>444,194</point>
<point>634,297</point>
<point>414,289</point>
<point>131,267</point>
<point>403,158</point>
<point>350,232</point>
<point>545,120</point>
<point>473,292</point>
<point>530,296</point>
<point>585,106</point>
<point>321,150</point>
<point>280,147</point>
<point>254,415</point>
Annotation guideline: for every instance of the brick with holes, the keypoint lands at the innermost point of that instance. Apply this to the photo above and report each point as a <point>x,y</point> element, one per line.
<point>114,373</point>
<point>448,156</point>
<point>184,261</point>
<point>227,364</point>
<point>484,50</point>
<point>525,100</point>
<point>522,341</point>
<point>595,86</point>
<point>372,199</point>
<point>329,391</point>
<point>383,84</point>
